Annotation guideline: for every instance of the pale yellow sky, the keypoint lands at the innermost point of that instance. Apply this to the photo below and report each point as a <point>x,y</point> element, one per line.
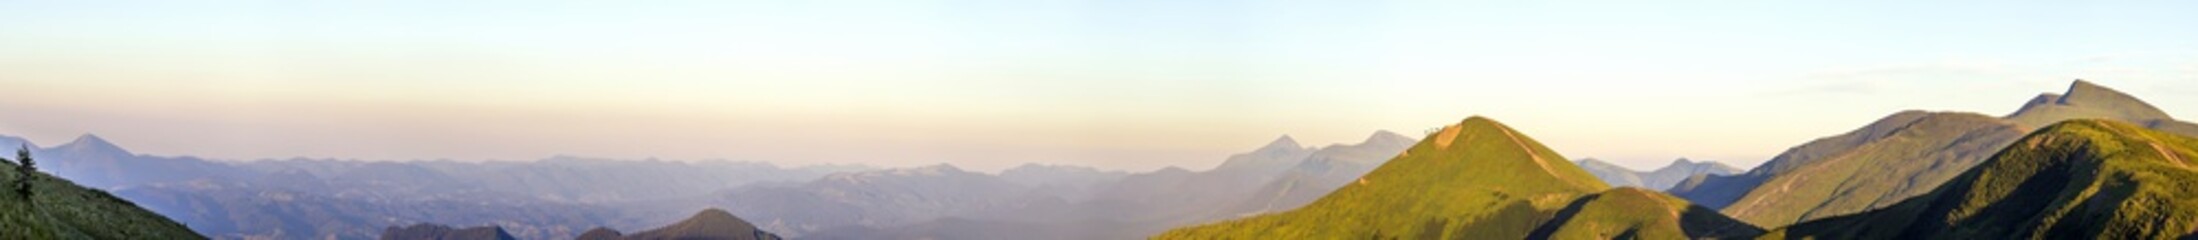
<point>1127,85</point>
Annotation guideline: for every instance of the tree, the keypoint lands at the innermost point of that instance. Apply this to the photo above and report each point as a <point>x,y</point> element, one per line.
<point>25,170</point>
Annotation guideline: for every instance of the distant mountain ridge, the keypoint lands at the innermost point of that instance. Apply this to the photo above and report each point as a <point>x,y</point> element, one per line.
<point>1661,178</point>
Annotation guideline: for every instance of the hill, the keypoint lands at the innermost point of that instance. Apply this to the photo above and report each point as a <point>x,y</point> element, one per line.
<point>60,209</point>
<point>1477,178</point>
<point>1661,178</point>
<point>427,231</point>
<point>2083,179</point>
<point>711,224</point>
<point>1897,157</point>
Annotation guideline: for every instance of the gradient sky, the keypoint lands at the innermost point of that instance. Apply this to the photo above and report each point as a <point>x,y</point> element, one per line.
<point>989,84</point>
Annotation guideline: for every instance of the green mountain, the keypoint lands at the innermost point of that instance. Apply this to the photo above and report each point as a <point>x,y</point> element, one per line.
<point>716,224</point>
<point>1898,157</point>
<point>429,231</point>
<point>2081,179</point>
<point>60,209</point>
<point>1476,179</point>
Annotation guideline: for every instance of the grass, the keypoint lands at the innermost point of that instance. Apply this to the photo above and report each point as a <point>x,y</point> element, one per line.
<point>2079,179</point>
<point>1477,179</point>
<point>60,209</point>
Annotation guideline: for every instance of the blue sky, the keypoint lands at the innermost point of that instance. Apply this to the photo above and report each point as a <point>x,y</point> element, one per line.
<point>988,84</point>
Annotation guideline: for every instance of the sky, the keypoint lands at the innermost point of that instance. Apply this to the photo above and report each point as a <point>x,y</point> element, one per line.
<point>987,85</point>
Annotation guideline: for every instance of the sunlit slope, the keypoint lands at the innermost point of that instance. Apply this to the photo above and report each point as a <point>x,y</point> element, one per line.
<point>2078,179</point>
<point>1476,179</point>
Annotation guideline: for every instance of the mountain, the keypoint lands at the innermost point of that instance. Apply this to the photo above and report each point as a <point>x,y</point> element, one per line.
<point>93,161</point>
<point>1661,178</point>
<point>1477,179</point>
<point>710,224</point>
<point>1897,157</point>
<point>351,199</point>
<point>427,231</point>
<point>877,199</point>
<point>2081,179</point>
<point>61,209</point>
<point>1320,173</point>
<point>2085,100</point>
<point>1074,183</point>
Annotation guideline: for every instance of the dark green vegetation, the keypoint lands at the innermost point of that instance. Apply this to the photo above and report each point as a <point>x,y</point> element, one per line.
<point>1898,157</point>
<point>1478,179</point>
<point>2080,179</point>
<point>710,224</point>
<point>59,209</point>
<point>428,231</point>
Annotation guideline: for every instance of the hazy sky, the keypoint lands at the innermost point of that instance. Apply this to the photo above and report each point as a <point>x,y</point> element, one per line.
<point>989,84</point>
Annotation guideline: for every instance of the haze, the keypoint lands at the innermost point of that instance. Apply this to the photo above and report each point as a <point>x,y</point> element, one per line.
<point>991,84</point>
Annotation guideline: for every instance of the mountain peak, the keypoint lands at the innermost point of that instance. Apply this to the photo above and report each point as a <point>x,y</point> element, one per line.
<point>2085,100</point>
<point>92,143</point>
<point>711,223</point>
<point>1284,143</point>
<point>1385,137</point>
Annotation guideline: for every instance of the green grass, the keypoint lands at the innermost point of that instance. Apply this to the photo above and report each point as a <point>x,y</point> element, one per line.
<point>2079,179</point>
<point>1908,161</point>
<point>60,209</point>
<point>1488,182</point>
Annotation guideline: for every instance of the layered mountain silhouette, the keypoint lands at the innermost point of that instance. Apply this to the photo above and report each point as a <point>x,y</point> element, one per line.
<point>2081,179</point>
<point>1661,178</point>
<point>1898,157</point>
<point>1479,179</point>
<point>60,209</point>
<point>429,231</point>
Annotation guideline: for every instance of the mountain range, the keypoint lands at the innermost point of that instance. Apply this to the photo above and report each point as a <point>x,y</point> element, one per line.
<point>2090,162</point>
<point>2079,179</point>
<point>1898,157</point>
<point>1661,178</point>
<point>1480,179</point>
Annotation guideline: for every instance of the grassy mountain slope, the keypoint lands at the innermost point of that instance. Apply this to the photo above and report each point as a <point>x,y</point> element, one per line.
<point>60,209</point>
<point>1634,213</point>
<point>1476,179</point>
<point>2082,179</point>
<point>1905,162</point>
<point>709,224</point>
<point>1898,157</point>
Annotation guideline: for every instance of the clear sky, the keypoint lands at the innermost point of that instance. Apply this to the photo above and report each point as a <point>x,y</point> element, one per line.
<point>1127,84</point>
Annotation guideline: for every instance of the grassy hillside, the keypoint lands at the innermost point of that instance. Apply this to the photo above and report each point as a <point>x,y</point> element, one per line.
<point>1908,161</point>
<point>1477,179</point>
<point>60,209</point>
<point>1634,213</point>
<point>2079,179</point>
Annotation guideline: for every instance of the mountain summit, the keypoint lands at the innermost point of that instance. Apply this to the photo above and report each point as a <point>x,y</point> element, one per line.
<point>709,224</point>
<point>1477,179</point>
<point>2086,100</point>
<point>89,143</point>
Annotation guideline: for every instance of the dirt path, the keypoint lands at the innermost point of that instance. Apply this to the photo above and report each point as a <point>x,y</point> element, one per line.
<point>1530,153</point>
<point>2171,156</point>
